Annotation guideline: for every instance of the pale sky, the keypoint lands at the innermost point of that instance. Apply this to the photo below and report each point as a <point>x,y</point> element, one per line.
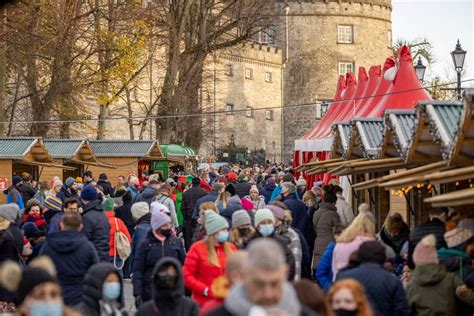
<point>442,22</point>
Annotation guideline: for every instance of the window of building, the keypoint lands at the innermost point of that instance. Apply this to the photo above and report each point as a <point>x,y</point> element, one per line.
<point>269,115</point>
<point>345,67</point>
<point>324,108</point>
<point>229,109</point>
<point>266,35</point>
<point>228,70</point>
<point>249,112</point>
<point>248,73</point>
<point>345,34</point>
<point>268,76</point>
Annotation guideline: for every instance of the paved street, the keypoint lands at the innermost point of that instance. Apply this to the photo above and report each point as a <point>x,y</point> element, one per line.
<point>129,300</point>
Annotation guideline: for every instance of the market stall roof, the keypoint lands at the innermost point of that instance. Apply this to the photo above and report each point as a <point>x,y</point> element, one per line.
<point>350,109</point>
<point>439,177</point>
<point>375,77</point>
<point>74,150</point>
<point>355,167</point>
<point>147,149</point>
<point>436,124</point>
<point>177,150</point>
<point>406,89</point>
<point>346,106</point>
<point>368,134</point>
<point>462,152</point>
<point>342,140</point>
<point>27,150</point>
<point>330,164</point>
<point>455,198</point>
<point>398,132</point>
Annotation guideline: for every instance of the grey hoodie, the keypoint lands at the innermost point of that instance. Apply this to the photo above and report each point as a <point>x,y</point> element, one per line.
<point>237,302</point>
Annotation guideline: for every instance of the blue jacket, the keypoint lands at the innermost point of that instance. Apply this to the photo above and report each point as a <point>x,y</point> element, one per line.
<point>298,212</point>
<point>211,197</point>
<point>323,272</point>
<point>267,191</point>
<point>276,192</point>
<point>72,255</point>
<point>97,229</point>
<point>149,252</point>
<point>53,225</point>
<point>141,230</point>
<point>384,290</point>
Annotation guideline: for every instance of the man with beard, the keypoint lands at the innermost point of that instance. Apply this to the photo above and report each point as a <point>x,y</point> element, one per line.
<point>68,190</point>
<point>168,292</point>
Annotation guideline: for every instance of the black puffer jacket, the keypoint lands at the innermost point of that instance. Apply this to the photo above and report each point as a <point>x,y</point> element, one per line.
<point>172,301</point>
<point>11,239</point>
<point>93,283</point>
<point>97,228</point>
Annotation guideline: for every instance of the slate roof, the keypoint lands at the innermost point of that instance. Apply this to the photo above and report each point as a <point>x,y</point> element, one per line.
<point>15,147</point>
<point>121,148</point>
<point>402,122</point>
<point>370,131</point>
<point>62,148</point>
<point>443,118</point>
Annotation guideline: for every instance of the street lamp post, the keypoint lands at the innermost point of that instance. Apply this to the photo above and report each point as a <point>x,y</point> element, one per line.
<point>458,56</point>
<point>420,69</point>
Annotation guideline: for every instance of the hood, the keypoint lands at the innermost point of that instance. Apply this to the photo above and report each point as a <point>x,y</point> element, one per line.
<point>270,186</point>
<point>237,302</point>
<point>93,206</point>
<point>234,203</point>
<point>164,298</point>
<point>325,206</point>
<point>65,242</point>
<point>145,219</point>
<point>94,281</point>
<point>429,274</point>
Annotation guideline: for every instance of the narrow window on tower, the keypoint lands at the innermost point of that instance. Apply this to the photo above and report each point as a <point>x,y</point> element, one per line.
<point>345,67</point>
<point>229,109</point>
<point>345,34</point>
<point>268,76</point>
<point>248,73</point>
<point>228,70</point>
<point>269,115</point>
<point>249,112</point>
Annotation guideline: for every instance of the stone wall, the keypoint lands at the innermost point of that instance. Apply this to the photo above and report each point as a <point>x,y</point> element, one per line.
<point>251,129</point>
<point>311,71</point>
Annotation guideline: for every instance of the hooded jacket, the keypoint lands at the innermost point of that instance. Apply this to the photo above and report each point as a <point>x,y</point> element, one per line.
<point>141,230</point>
<point>434,226</point>
<point>431,291</point>
<point>238,304</point>
<point>169,302</point>
<point>234,204</point>
<point>72,255</point>
<point>97,228</point>
<point>267,191</point>
<point>324,221</point>
<point>148,253</point>
<point>298,212</point>
<point>106,187</point>
<point>93,283</point>
<point>66,194</point>
<point>147,195</point>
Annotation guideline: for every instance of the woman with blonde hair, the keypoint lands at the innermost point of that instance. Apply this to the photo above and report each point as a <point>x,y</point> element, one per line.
<point>347,297</point>
<point>242,228</point>
<point>200,231</point>
<point>362,229</point>
<point>207,258</point>
<point>222,200</point>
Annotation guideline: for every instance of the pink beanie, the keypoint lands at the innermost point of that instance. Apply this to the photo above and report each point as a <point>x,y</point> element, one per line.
<point>247,204</point>
<point>425,251</point>
<point>277,211</point>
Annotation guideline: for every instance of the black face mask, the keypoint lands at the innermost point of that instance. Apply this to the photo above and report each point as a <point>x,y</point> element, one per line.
<point>166,232</point>
<point>166,281</point>
<point>243,232</point>
<point>345,312</point>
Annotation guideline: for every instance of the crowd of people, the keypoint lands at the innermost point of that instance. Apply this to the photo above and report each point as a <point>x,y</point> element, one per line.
<point>233,241</point>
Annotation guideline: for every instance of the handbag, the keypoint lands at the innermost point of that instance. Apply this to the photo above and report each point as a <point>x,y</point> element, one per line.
<point>122,247</point>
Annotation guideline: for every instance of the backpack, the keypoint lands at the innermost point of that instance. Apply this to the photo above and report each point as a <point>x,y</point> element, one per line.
<point>122,247</point>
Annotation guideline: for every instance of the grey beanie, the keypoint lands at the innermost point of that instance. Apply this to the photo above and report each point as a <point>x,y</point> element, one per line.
<point>140,209</point>
<point>9,211</point>
<point>240,218</point>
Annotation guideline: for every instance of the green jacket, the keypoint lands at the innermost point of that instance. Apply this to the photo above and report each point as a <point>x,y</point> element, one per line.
<point>432,291</point>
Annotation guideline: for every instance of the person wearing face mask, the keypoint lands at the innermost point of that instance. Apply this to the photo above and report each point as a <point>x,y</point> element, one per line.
<point>103,291</point>
<point>206,259</point>
<point>265,228</point>
<point>159,243</point>
<point>301,185</point>
<point>168,292</point>
<point>348,298</point>
<point>241,228</point>
<point>37,289</point>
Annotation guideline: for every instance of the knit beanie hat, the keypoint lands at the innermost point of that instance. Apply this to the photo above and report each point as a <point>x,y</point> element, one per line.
<point>139,210</point>
<point>89,193</point>
<point>253,189</point>
<point>301,182</point>
<point>246,204</point>
<point>277,211</point>
<point>30,230</point>
<point>57,183</point>
<point>196,181</point>
<point>158,207</point>
<point>79,180</point>
<point>158,219</point>
<point>9,211</point>
<point>53,204</point>
<point>240,218</point>
<point>108,204</point>
<point>32,277</point>
<point>70,182</point>
<point>16,180</point>
<point>262,215</point>
<point>372,251</point>
<point>457,237</point>
<point>425,251</point>
<point>214,223</point>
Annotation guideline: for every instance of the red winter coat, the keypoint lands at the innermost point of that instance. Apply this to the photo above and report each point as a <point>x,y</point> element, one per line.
<point>199,273</point>
<point>113,228</point>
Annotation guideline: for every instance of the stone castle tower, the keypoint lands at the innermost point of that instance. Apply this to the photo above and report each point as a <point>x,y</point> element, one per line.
<point>321,39</point>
